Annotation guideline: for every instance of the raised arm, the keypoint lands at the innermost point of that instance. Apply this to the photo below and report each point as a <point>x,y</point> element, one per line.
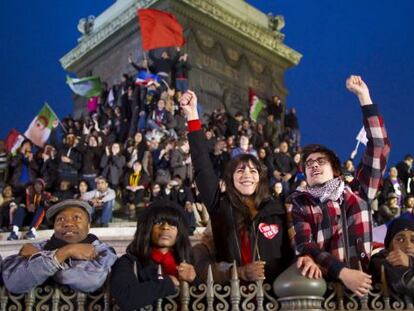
<point>206,180</point>
<point>374,160</point>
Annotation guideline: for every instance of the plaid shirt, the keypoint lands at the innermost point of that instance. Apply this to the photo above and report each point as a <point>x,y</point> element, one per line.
<point>316,228</point>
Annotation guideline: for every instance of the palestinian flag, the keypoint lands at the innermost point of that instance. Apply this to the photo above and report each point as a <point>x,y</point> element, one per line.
<point>13,140</point>
<point>39,130</point>
<point>85,87</point>
<point>255,105</point>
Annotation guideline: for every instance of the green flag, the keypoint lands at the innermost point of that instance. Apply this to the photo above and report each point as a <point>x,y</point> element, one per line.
<point>256,105</point>
<point>39,129</point>
<point>85,87</point>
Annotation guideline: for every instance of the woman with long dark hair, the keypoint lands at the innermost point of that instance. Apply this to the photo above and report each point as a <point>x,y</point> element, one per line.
<point>82,188</point>
<point>135,183</point>
<point>161,239</point>
<point>248,227</point>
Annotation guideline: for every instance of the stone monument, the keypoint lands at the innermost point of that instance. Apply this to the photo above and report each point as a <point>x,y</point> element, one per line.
<point>231,46</point>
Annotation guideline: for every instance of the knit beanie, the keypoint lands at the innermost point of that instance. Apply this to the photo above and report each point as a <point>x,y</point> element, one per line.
<point>396,226</point>
<point>41,182</point>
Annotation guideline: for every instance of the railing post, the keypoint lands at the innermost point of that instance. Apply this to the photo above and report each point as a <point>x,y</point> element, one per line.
<point>364,299</point>
<point>340,295</point>
<point>297,292</point>
<point>80,301</point>
<point>234,288</point>
<point>3,298</point>
<point>55,298</point>
<point>29,300</point>
<point>385,290</point>
<point>210,289</point>
<point>259,295</point>
<point>158,304</point>
<point>107,299</point>
<point>184,295</point>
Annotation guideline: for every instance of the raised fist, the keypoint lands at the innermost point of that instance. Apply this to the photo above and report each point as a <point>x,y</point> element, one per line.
<point>357,86</point>
<point>188,103</point>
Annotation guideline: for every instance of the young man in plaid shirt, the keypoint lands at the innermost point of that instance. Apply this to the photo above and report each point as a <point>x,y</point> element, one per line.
<point>330,222</point>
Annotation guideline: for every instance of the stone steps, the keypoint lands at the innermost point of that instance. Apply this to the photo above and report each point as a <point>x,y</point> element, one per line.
<point>118,235</point>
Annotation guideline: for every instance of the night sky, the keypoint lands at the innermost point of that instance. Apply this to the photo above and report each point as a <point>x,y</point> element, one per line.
<point>372,38</point>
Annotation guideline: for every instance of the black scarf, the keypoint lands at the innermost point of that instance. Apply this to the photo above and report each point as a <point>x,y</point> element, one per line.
<point>55,243</point>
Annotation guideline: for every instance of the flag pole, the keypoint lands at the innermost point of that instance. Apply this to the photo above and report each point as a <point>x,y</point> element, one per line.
<point>57,118</point>
<point>355,151</point>
<point>146,60</point>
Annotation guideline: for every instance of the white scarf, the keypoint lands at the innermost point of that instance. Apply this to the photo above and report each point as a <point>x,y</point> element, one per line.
<point>331,190</point>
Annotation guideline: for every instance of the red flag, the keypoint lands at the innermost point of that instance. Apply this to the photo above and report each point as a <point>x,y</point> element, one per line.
<point>13,140</point>
<point>159,29</point>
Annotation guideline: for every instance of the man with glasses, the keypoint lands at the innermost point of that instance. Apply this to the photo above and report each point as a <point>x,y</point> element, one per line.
<point>330,222</point>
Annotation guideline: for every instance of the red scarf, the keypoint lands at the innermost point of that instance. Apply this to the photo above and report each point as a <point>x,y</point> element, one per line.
<point>246,252</point>
<point>167,261</point>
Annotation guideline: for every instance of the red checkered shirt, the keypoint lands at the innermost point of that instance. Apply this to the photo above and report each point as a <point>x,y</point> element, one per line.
<point>316,228</point>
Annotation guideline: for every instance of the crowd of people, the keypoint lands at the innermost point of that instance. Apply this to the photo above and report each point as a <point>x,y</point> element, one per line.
<point>133,149</point>
<point>144,152</point>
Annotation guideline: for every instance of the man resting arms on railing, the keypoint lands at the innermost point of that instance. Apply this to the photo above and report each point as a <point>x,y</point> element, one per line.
<point>72,256</point>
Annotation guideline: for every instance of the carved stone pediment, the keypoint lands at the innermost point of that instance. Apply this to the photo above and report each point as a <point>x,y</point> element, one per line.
<point>204,39</point>
<point>232,54</point>
<point>257,67</point>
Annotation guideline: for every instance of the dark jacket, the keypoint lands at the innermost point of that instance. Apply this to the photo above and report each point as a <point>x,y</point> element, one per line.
<point>163,117</point>
<point>399,278</point>
<point>284,163</point>
<point>404,173</point>
<point>226,236</point>
<point>91,157</point>
<point>16,163</point>
<point>181,69</point>
<point>291,121</point>
<point>48,171</point>
<point>133,291</point>
<point>73,154</point>
<point>219,162</point>
<point>388,188</point>
<point>112,168</point>
<point>144,179</point>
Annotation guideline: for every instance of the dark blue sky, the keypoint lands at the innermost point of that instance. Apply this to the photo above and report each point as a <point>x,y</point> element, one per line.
<point>372,38</point>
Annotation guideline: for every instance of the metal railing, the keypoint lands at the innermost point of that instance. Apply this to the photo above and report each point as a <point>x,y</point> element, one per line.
<point>207,297</point>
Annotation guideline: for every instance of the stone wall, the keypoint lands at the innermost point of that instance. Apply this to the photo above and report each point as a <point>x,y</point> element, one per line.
<point>228,54</point>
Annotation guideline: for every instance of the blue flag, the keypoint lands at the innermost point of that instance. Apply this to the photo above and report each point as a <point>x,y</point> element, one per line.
<point>144,77</point>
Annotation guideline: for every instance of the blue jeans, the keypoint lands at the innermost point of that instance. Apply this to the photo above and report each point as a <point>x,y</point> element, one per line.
<point>103,215</point>
<point>90,180</point>
<point>151,124</point>
<point>142,122</point>
<point>23,216</point>
<point>181,85</point>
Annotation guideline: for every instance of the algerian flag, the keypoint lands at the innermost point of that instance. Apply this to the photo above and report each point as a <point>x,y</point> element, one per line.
<point>39,130</point>
<point>256,105</point>
<point>86,87</point>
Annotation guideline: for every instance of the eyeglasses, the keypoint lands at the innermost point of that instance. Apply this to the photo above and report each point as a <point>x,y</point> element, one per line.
<point>320,161</point>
